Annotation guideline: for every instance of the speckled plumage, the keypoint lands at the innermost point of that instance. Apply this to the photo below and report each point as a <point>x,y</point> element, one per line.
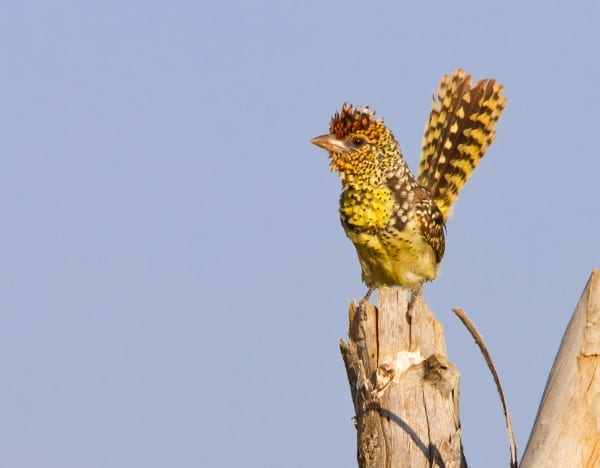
<point>397,221</point>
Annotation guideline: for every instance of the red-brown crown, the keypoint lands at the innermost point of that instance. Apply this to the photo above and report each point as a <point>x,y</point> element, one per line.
<point>353,119</point>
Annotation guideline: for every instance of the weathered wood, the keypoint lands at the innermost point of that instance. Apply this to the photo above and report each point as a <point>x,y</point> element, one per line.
<point>566,432</point>
<point>405,391</point>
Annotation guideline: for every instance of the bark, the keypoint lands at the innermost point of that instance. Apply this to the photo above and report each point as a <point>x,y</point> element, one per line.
<point>404,389</point>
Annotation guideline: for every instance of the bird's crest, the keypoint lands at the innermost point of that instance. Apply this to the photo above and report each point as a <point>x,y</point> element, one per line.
<point>352,119</point>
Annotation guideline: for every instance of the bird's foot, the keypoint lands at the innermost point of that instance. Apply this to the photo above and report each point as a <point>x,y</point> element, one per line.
<point>416,293</point>
<point>365,300</point>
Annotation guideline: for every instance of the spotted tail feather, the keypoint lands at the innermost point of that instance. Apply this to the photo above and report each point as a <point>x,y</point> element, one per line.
<point>458,132</point>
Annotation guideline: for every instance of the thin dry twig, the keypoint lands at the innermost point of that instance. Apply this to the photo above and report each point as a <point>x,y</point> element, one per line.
<point>464,318</point>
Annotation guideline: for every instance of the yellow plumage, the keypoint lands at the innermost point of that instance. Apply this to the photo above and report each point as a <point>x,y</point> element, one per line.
<point>397,222</point>
<point>457,134</point>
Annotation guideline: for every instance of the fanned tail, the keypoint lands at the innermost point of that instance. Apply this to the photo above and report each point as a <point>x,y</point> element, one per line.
<point>458,132</point>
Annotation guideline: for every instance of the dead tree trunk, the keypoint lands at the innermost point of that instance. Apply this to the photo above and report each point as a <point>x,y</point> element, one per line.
<point>566,433</point>
<point>405,391</point>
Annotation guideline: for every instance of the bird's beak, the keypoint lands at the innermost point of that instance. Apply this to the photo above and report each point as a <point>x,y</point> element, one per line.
<point>330,143</point>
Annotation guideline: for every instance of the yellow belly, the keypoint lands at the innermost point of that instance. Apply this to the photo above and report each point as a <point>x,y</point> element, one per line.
<point>388,257</point>
<point>394,258</point>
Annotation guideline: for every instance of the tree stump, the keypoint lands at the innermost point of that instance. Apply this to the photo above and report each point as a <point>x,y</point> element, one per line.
<point>404,389</point>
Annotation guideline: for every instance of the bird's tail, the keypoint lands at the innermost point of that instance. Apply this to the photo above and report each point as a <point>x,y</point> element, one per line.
<point>458,132</point>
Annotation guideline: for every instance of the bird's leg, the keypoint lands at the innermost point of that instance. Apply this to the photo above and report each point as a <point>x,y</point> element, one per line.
<point>416,293</point>
<point>368,295</point>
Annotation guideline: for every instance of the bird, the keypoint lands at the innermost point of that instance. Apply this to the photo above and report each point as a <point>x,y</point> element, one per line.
<point>396,221</point>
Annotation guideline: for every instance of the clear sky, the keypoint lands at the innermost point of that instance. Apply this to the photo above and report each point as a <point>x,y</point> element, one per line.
<point>174,278</point>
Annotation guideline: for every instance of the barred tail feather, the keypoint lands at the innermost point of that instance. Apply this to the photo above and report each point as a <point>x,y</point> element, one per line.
<point>458,132</point>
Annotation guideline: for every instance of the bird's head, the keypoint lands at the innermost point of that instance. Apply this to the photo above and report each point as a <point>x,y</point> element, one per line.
<point>360,146</point>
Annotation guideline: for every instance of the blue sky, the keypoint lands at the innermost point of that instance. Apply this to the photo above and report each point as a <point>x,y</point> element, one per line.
<point>174,277</point>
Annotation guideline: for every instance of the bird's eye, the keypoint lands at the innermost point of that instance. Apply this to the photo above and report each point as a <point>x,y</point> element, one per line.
<point>357,142</point>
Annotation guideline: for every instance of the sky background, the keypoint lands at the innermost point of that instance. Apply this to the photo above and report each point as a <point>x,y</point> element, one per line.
<point>174,278</point>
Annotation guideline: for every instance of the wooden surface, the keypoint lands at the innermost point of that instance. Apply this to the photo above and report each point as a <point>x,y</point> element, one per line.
<point>566,432</point>
<point>405,391</point>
